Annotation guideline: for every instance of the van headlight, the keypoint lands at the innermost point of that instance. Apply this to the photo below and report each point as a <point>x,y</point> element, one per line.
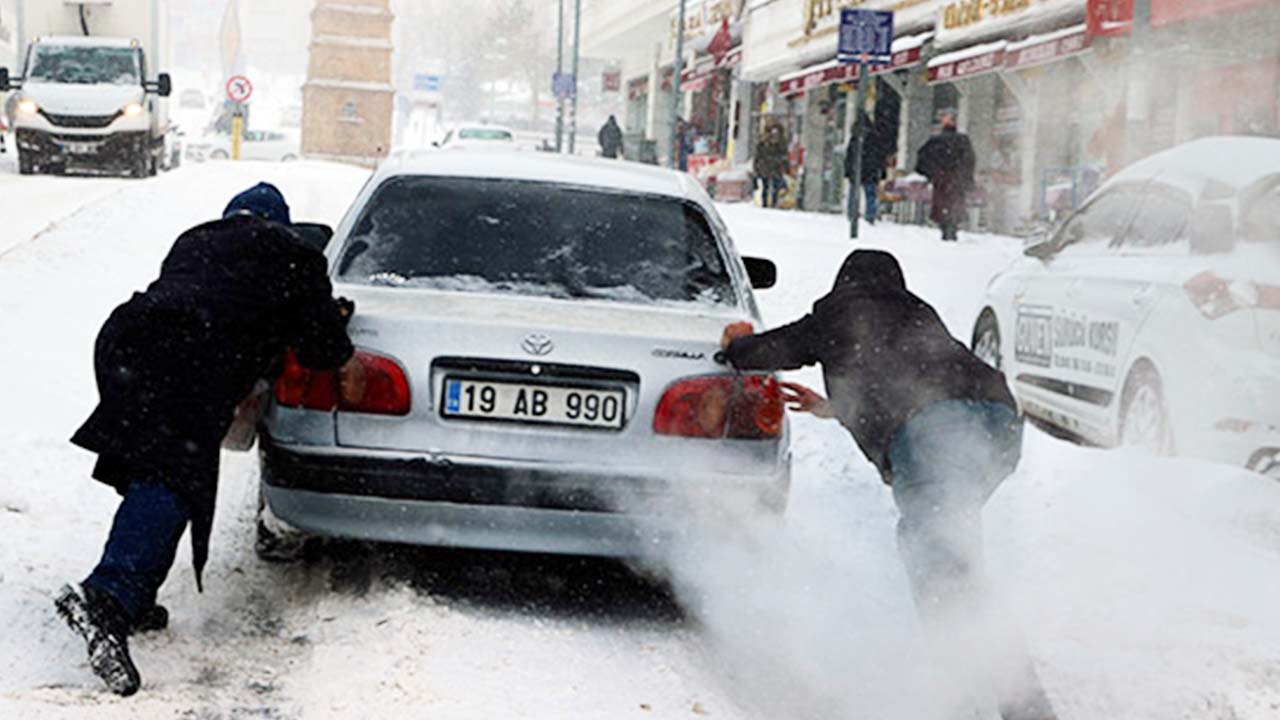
<point>27,106</point>
<point>132,109</point>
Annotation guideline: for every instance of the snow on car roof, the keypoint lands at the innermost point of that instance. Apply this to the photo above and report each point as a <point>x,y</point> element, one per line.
<point>76,40</point>
<point>545,167</point>
<point>1233,161</point>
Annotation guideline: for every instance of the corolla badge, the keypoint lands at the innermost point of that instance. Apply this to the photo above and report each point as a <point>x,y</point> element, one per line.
<point>538,344</point>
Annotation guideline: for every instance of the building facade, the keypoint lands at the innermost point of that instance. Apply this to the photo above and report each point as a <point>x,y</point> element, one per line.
<point>348,99</point>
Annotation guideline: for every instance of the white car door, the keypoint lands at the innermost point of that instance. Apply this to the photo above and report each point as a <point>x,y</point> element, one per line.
<point>1058,374</point>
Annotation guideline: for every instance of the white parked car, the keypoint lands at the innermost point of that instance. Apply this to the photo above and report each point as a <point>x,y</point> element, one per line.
<point>263,145</point>
<point>539,335</point>
<point>478,137</point>
<point>1152,316</point>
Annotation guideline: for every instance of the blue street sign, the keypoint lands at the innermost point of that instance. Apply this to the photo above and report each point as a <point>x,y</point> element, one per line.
<point>426,83</point>
<point>866,35</point>
<point>563,85</point>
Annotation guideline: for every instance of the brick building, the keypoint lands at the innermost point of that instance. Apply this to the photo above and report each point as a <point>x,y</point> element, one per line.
<point>348,99</point>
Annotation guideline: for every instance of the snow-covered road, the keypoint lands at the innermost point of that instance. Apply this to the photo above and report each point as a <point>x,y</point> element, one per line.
<point>1147,588</point>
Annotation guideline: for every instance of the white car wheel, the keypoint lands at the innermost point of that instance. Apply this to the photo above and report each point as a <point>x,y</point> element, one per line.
<point>219,155</point>
<point>289,158</point>
<point>1144,421</point>
<point>986,339</point>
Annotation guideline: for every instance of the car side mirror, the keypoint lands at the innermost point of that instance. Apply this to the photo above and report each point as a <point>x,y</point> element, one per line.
<point>163,85</point>
<point>762,273</point>
<point>4,79</point>
<point>1212,229</point>
<point>314,235</point>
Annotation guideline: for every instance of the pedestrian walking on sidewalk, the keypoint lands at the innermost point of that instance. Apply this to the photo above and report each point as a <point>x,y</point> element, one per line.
<point>943,430</point>
<point>771,163</point>
<point>172,364</point>
<point>948,161</point>
<point>879,144</point>
<point>610,137</point>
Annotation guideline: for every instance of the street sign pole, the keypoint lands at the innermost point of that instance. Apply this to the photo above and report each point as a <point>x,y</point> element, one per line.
<point>865,35</point>
<point>577,56</point>
<point>237,131</point>
<point>676,71</point>
<point>560,70</point>
<point>860,133</point>
<point>239,90</point>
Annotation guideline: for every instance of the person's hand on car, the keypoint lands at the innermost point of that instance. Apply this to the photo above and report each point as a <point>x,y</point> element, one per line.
<point>802,399</point>
<point>733,331</point>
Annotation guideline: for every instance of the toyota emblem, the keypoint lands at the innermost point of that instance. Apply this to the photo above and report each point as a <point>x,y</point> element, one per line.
<point>538,344</point>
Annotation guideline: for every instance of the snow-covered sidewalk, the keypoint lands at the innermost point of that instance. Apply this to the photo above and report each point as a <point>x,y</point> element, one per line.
<point>1146,587</point>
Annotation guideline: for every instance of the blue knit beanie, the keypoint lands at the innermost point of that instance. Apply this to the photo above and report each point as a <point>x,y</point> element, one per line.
<point>263,200</point>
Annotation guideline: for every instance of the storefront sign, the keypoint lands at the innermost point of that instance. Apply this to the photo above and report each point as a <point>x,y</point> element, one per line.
<point>962,13</point>
<point>822,17</point>
<point>977,64</point>
<point>835,72</point>
<point>966,22</point>
<point>1115,17</point>
<point>703,17</point>
<point>1110,17</point>
<point>1053,47</point>
<point>611,81</point>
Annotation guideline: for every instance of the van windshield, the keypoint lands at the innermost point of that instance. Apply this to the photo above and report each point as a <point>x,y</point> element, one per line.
<point>77,65</point>
<point>532,238</point>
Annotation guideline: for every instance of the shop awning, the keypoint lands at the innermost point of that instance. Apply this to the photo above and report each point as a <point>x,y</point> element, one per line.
<point>906,53</point>
<point>1004,55</point>
<point>697,77</point>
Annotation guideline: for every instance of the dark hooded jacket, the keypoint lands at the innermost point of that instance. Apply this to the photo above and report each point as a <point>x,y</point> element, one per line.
<point>173,362</point>
<point>610,137</point>
<point>878,145</point>
<point>885,354</point>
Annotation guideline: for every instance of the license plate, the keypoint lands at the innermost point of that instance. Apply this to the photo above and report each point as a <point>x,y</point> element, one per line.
<point>603,408</point>
<point>80,148</point>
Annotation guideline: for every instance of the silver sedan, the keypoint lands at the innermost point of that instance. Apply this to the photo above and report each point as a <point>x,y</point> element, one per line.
<point>539,337</point>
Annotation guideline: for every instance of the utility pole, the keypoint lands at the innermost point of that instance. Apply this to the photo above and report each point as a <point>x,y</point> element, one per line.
<point>677,71</point>
<point>1137,99</point>
<point>577,56</point>
<point>559,70</point>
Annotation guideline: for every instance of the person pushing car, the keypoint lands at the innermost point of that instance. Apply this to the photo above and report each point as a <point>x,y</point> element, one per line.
<point>172,364</point>
<point>943,430</point>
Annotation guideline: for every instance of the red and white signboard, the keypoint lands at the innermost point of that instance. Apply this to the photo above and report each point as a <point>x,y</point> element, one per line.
<point>239,89</point>
<point>1030,54</point>
<point>835,72</point>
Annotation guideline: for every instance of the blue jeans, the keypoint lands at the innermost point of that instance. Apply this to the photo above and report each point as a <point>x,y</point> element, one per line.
<point>141,547</point>
<point>947,461</point>
<point>872,202</point>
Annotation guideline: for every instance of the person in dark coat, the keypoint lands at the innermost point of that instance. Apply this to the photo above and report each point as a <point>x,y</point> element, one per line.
<point>771,163</point>
<point>878,145</point>
<point>943,430</point>
<point>610,138</point>
<point>172,364</point>
<point>948,161</point>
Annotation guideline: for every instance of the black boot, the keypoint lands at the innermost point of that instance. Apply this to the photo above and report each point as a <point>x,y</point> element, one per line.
<point>99,619</point>
<point>152,619</point>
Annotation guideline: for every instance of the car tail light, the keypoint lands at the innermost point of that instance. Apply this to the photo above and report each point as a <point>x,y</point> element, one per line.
<point>386,389</point>
<point>740,407</point>
<point>1213,296</point>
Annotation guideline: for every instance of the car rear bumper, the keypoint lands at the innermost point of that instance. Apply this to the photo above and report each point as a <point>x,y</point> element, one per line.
<point>496,504</point>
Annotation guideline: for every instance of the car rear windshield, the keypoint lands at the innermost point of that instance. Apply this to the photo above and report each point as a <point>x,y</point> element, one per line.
<point>532,238</point>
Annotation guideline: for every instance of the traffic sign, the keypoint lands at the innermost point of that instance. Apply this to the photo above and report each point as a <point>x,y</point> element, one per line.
<point>239,89</point>
<point>866,36</point>
<point>564,85</point>
<point>426,83</point>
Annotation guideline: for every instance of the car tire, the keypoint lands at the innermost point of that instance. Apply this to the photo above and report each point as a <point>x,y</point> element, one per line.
<point>140,164</point>
<point>219,155</point>
<point>1144,414</point>
<point>275,541</point>
<point>986,339</point>
<point>25,164</point>
<point>289,158</point>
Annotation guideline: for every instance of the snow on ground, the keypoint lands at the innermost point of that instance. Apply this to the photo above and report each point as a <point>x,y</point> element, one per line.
<point>1145,587</point>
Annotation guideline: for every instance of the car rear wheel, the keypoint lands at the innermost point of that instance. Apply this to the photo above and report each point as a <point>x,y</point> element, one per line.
<point>219,155</point>
<point>289,158</point>
<point>986,339</point>
<point>274,541</point>
<point>1144,416</point>
<point>25,164</point>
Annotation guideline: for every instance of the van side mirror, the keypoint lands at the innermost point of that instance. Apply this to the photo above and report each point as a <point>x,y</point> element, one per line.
<point>5,86</point>
<point>163,85</point>
<point>762,273</point>
<point>314,235</point>
<point>1212,229</point>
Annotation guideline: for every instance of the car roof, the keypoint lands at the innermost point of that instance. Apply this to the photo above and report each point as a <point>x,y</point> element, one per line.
<point>112,42</point>
<point>500,128</point>
<point>544,167</point>
<point>1224,165</point>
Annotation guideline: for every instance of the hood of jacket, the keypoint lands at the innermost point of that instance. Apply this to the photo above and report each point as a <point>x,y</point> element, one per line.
<point>871,271</point>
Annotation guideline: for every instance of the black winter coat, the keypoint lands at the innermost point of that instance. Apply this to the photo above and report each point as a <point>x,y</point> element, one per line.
<point>948,161</point>
<point>173,362</point>
<point>884,352</point>
<point>879,144</point>
<point>610,138</point>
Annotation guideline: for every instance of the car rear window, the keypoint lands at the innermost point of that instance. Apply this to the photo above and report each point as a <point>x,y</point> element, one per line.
<point>483,134</point>
<point>533,238</point>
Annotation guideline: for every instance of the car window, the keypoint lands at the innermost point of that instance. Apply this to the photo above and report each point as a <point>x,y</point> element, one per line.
<point>1162,219</point>
<point>1100,222</point>
<point>1260,220</point>
<point>534,238</point>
